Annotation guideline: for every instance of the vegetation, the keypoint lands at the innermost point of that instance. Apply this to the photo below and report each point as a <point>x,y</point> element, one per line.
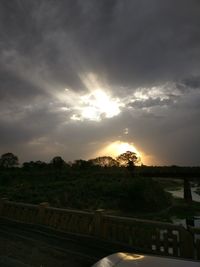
<point>98,183</point>
<point>8,160</point>
<point>83,189</point>
<point>128,159</point>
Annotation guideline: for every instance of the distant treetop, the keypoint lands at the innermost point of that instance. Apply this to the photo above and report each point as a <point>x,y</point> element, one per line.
<point>128,158</point>
<point>9,160</point>
<point>105,161</point>
<point>58,162</point>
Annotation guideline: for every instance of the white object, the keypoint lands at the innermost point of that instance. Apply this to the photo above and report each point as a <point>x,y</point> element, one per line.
<point>136,260</point>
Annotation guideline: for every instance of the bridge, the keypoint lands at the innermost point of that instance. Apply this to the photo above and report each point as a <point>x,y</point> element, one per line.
<point>177,175</point>
<point>40,235</point>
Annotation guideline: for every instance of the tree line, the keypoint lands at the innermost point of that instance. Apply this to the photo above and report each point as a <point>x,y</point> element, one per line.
<point>127,159</point>
<point>102,182</point>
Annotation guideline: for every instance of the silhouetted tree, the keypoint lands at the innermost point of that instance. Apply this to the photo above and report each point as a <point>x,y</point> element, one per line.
<point>129,160</point>
<point>28,165</point>
<point>82,164</point>
<point>9,160</point>
<point>57,162</point>
<point>125,158</point>
<point>34,165</point>
<point>104,161</point>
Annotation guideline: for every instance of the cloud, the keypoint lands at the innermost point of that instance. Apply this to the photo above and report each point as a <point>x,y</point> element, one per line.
<point>132,43</point>
<point>141,58</point>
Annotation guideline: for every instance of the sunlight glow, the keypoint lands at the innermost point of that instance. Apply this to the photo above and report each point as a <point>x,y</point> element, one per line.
<point>116,148</point>
<point>96,100</point>
<point>97,105</point>
<point>123,147</point>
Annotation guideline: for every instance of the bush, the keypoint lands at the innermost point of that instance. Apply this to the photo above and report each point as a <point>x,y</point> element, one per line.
<point>144,194</point>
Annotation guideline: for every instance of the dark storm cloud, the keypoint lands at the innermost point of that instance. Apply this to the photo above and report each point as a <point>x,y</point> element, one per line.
<point>45,47</point>
<point>13,87</point>
<point>132,42</point>
<point>22,125</point>
<point>192,82</point>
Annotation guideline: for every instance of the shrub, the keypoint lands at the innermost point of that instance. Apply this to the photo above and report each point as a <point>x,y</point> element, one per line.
<point>144,194</point>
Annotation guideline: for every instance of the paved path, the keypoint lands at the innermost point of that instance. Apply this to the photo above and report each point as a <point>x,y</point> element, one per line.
<point>9,262</point>
<point>23,245</point>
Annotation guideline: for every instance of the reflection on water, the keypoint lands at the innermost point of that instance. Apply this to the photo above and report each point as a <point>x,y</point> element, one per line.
<point>184,222</point>
<point>187,221</point>
<point>179,193</point>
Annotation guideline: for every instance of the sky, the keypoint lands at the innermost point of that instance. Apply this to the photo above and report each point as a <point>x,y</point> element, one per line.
<point>81,79</point>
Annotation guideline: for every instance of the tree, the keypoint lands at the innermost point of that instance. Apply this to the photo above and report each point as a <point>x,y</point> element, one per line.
<point>104,161</point>
<point>82,164</point>
<point>129,160</point>
<point>29,165</point>
<point>58,162</point>
<point>8,160</point>
<point>34,165</point>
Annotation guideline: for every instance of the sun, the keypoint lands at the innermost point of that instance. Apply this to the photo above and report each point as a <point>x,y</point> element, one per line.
<point>122,147</point>
<point>116,148</point>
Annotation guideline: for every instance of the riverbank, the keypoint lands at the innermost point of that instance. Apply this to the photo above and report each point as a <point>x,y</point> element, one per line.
<point>177,212</point>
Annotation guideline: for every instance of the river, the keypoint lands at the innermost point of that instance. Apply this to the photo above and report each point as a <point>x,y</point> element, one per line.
<point>178,193</point>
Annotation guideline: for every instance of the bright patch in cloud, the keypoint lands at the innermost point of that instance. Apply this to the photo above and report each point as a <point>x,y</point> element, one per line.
<point>165,91</point>
<point>95,106</point>
<point>154,97</point>
<point>98,104</point>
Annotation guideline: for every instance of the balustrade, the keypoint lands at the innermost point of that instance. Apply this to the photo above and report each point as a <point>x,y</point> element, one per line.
<point>140,235</point>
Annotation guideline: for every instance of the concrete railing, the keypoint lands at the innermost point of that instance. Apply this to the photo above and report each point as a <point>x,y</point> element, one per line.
<point>137,235</point>
<point>149,236</point>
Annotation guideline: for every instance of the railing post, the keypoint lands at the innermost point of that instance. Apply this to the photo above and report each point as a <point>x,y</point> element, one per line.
<point>41,211</point>
<point>98,222</point>
<point>195,233</point>
<point>187,248</point>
